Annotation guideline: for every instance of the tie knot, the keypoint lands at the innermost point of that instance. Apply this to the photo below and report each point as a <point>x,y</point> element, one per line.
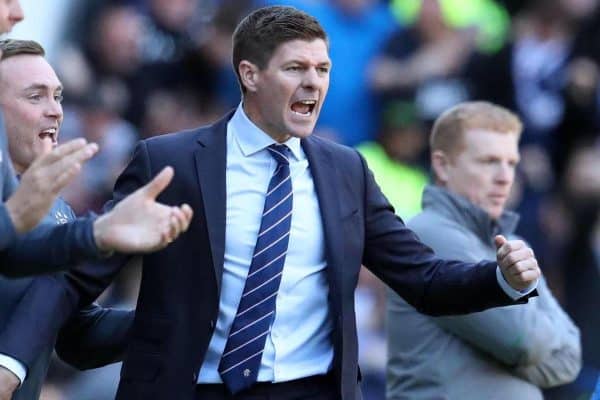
<point>280,152</point>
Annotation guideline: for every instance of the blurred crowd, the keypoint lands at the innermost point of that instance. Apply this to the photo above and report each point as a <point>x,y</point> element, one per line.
<point>132,69</point>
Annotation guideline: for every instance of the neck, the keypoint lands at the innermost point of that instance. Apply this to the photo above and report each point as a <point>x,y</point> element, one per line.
<point>253,115</point>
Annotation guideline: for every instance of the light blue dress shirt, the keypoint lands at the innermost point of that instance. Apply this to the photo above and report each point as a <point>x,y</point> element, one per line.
<point>299,344</point>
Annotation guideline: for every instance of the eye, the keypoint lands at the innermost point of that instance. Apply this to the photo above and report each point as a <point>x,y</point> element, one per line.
<point>294,68</point>
<point>35,97</point>
<point>323,70</point>
<point>58,98</point>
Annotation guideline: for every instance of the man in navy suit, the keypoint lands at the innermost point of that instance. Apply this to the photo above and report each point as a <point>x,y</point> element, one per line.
<point>139,224</point>
<point>258,299</point>
<point>30,94</point>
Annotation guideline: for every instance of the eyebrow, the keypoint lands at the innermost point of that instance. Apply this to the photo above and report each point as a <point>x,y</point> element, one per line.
<point>41,86</point>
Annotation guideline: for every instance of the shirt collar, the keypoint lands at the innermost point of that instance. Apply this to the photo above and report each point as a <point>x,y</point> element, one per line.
<point>252,139</point>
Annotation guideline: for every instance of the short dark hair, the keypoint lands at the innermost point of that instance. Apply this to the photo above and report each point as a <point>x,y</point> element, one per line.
<point>16,47</point>
<point>262,31</point>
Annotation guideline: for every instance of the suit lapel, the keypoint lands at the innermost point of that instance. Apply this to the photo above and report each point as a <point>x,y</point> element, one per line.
<point>328,187</point>
<point>210,158</point>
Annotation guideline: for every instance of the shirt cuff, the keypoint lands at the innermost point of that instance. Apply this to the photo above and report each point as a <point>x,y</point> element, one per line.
<point>513,293</point>
<point>14,366</point>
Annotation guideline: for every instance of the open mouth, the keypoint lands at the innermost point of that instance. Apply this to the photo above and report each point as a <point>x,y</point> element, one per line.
<point>304,107</point>
<point>50,133</point>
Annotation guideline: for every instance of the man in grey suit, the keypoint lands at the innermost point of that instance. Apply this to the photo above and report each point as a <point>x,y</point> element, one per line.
<point>30,94</point>
<point>138,224</point>
<point>502,353</point>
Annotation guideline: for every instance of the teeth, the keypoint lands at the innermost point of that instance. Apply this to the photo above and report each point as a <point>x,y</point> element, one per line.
<point>51,132</point>
<point>308,102</point>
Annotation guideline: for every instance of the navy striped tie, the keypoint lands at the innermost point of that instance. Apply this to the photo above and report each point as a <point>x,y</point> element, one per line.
<point>246,342</point>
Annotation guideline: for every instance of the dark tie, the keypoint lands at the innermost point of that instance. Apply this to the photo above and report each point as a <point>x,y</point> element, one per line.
<point>246,342</point>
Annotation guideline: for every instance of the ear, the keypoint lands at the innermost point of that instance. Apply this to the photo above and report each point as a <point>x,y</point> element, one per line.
<point>249,75</point>
<point>440,163</point>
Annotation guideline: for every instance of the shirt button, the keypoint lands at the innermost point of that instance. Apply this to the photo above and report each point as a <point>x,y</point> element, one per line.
<point>194,377</point>
<point>212,324</point>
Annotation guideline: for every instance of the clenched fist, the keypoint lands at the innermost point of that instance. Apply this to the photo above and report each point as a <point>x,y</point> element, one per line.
<point>517,263</point>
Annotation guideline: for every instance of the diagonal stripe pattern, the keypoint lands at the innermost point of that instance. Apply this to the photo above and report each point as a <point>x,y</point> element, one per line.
<point>241,358</point>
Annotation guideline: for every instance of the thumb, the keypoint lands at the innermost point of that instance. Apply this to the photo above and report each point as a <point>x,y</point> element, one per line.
<point>499,240</point>
<point>153,188</point>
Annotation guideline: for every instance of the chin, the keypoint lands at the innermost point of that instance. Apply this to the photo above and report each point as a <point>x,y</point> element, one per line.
<point>495,213</point>
<point>301,133</point>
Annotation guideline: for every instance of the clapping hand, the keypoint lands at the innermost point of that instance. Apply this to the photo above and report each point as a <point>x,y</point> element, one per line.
<point>44,179</point>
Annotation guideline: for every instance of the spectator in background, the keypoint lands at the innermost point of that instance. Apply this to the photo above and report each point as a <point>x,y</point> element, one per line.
<point>97,121</point>
<point>424,60</point>
<point>487,19</point>
<point>506,353</point>
<point>579,217</point>
<point>395,157</point>
<point>109,61</point>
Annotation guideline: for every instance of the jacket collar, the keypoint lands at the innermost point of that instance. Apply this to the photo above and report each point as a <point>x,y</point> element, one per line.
<point>467,214</point>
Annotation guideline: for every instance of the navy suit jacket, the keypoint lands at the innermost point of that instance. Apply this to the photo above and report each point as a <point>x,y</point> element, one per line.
<point>178,301</point>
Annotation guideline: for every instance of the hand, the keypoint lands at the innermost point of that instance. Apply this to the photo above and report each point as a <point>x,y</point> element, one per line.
<point>43,180</point>
<point>140,224</point>
<point>517,263</point>
<point>8,383</point>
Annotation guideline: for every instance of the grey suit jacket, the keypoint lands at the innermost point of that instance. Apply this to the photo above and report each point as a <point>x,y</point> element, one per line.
<point>506,353</point>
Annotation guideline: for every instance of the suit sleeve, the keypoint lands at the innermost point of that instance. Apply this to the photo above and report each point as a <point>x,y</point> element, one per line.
<point>35,320</point>
<point>432,285</point>
<point>49,248</point>
<point>94,337</point>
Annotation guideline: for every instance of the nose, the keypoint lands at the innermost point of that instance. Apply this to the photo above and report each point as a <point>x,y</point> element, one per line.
<point>506,174</point>
<point>16,12</point>
<point>312,79</point>
<point>54,109</point>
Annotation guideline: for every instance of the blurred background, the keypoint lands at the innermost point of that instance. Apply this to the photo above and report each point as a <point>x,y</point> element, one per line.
<point>138,68</point>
